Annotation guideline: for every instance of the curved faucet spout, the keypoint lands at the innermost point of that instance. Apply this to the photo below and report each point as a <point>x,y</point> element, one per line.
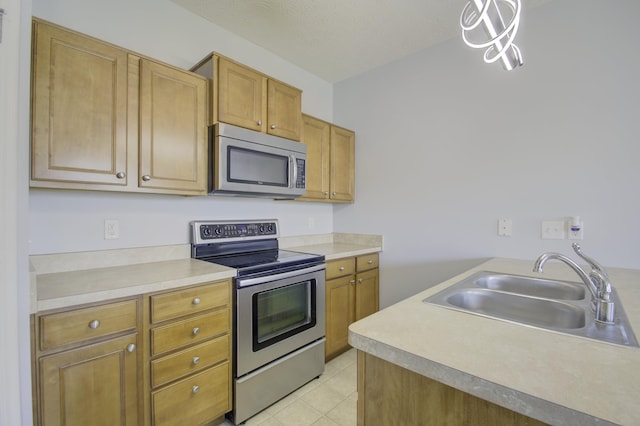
<point>537,267</point>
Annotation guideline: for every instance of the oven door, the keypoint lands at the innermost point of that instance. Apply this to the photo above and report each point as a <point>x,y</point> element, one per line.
<point>276,315</point>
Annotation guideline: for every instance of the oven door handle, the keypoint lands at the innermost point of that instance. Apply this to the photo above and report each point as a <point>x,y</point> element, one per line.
<point>259,280</point>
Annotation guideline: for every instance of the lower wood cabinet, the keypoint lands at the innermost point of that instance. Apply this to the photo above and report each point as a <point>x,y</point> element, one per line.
<point>352,293</point>
<point>87,365</point>
<point>189,355</point>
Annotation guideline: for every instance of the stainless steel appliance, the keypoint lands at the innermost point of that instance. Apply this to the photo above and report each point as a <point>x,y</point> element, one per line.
<point>279,310</point>
<point>246,162</point>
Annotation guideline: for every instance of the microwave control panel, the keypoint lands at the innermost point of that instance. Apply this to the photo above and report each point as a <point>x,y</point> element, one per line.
<point>301,178</point>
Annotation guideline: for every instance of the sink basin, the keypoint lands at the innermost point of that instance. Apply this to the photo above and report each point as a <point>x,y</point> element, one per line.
<point>527,310</point>
<point>558,306</point>
<point>529,286</point>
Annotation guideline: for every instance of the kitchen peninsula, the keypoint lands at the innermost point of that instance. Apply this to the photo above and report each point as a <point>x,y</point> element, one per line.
<point>548,376</point>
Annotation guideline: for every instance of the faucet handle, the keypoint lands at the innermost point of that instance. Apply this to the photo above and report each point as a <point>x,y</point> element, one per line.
<point>592,262</point>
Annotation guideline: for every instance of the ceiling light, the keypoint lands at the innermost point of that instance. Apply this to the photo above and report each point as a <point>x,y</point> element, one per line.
<point>491,16</point>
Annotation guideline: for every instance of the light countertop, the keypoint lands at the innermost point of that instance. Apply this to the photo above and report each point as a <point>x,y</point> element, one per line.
<point>68,279</point>
<point>553,377</point>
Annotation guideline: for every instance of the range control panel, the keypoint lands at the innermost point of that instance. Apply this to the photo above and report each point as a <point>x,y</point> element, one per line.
<point>206,232</point>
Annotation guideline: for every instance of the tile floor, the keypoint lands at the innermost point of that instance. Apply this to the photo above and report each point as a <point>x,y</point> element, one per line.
<point>329,400</point>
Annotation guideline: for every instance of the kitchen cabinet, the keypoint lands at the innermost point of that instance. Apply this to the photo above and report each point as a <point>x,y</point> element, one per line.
<point>247,98</point>
<point>104,118</point>
<point>330,161</point>
<point>390,394</point>
<point>352,293</point>
<point>87,365</point>
<point>189,357</point>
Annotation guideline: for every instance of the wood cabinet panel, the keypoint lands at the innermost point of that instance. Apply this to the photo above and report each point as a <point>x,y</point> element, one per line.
<point>241,96</point>
<point>188,301</point>
<point>190,331</point>
<point>188,361</point>
<point>92,385</point>
<point>367,298</point>
<point>195,400</point>
<point>342,181</point>
<point>316,135</point>
<point>79,108</point>
<point>173,131</point>
<point>284,110</point>
<point>340,267</point>
<point>79,325</point>
<point>340,296</point>
<point>367,261</point>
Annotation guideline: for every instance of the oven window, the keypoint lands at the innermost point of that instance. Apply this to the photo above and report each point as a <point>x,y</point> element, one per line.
<point>256,167</point>
<point>283,312</point>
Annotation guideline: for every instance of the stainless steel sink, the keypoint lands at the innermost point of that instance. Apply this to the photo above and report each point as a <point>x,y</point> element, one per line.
<point>530,286</point>
<point>559,306</point>
<point>527,310</point>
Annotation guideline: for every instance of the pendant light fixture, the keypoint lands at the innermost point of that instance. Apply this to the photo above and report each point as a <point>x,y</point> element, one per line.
<point>500,20</point>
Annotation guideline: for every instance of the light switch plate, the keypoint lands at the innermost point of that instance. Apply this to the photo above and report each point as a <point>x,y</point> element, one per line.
<point>111,229</point>
<point>505,227</point>
<point>552,230</point>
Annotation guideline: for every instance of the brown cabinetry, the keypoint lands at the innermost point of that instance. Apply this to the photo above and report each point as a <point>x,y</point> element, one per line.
<point>352,293</point>
<point>87,365</point>
<point>247,98</point>
<point>330,161</point>
<point>107,119</point>
<point>190,354</point>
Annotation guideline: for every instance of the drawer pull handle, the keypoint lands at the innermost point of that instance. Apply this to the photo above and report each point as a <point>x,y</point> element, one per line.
<point>131,347</point>
<point>94,324</point>
<point>196,331</point>
<point>341,268</point>
<point>195,389</point>
<point>196,300</point>
<point>370,262</point>
<point>196,360</point>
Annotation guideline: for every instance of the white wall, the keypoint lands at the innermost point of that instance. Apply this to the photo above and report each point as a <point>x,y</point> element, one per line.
<point>70,221</point>
<point>446,145</point>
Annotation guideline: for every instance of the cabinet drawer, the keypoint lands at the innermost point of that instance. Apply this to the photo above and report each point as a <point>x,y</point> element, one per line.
<point>187,332</point>
<point>193,401</point>
<point>190,300</point>
<point>366,262</point>
<point>340,267</point>
<point>88,323</point>
<point>197,358</point>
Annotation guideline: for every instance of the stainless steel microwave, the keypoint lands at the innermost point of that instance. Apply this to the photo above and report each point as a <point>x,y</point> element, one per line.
<point>249,163</point>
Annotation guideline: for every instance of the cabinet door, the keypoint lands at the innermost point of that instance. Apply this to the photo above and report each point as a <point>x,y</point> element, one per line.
<point>342,164</point>
<point>93,385</point>
<point>284,110</point>
<point>79,109</point>
<point>340,313</point>
<point>315,135</point>
<point>367,297</point>
<point>241,96</point>
<point>173,130</point>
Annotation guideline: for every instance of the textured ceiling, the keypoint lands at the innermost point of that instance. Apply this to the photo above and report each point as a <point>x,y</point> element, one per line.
<point>337,39</point>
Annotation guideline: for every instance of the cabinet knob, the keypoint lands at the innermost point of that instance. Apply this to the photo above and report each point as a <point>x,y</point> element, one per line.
<point>352,282</point>
<point>273,126</point>
<point>259,123</point>
<point>360,281</point>
<point>195,389</point>
<point>341,268</point>
<point>196,301</point>
<point>370,261</point>
<point>334,193</point>
<point>131,347</point>
<point>146,178</point>
<point>326,192</point>
<point>94,324</point>
<point>196,360</point>
<point>196,331</point>
<point>121,175</point>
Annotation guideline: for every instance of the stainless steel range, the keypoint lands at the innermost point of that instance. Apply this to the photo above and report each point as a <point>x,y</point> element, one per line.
<point>279,310</point>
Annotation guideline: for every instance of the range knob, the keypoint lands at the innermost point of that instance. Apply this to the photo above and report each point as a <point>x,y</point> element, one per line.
<point>206,231</point>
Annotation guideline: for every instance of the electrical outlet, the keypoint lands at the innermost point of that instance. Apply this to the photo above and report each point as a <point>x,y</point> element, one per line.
<point>111,229</point>
<point>505,227</point>
<point>552,230</point>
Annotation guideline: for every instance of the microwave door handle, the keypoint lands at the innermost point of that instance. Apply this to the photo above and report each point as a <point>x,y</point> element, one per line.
<point>294,168</point>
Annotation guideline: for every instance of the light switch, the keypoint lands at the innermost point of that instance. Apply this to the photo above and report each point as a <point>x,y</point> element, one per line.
<point>552,230</point>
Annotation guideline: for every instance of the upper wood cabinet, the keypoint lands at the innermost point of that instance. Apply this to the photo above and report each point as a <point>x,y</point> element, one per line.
<point>104,118</point>
<point>247,98</point>
<point>330,161</point>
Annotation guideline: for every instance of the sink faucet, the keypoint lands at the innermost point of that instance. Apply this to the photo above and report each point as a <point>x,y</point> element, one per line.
<point>597,281</point>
